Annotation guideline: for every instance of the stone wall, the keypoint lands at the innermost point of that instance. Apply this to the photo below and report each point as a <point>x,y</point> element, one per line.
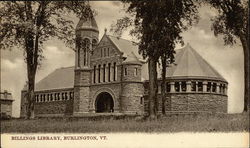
<point>193,102</point>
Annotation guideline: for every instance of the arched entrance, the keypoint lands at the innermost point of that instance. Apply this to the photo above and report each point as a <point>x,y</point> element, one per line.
<point>104,103</point>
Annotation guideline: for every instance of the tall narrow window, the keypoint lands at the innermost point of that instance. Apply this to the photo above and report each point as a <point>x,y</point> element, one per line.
<point>114,71</point>
<point>109,69</point>
<point>200,86</point>
<point>209,87</point>
<point>51,97</point>
<point>101,52</point>
<point>193,86</point>
<point>135,72</point>
<point>168,87</point>
<point>104,69</point>
<point>108,52</point>
<point>214,87</point>
<point>177,86</point>
<point>99,73</point>
<point>94,73</point>
<point>125,71</point>
<point>183,86</point>
<point>104,51</point>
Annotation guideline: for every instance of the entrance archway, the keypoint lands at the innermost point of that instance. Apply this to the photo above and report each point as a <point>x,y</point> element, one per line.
<point>104,103</point>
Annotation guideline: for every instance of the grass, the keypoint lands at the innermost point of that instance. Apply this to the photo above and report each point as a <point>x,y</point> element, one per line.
<point>169,123</point>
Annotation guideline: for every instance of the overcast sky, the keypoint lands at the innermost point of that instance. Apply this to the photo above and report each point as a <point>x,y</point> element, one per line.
<point>228,61</point>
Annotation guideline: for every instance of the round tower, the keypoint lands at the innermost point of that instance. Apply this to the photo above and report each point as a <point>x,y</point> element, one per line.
<point>132,87</point>
<point>86,39</point>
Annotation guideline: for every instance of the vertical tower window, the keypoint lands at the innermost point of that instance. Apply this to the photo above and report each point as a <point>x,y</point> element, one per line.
<point>125,71</point>
<point>135,72</point>
<point>109,69</point>
<point>94,73</point>
<point>99,73</point>
<point>168,87</point>
<point>114,71</point>
<point>104,69</point>
<point>108,52</point>
<point>104,51</point>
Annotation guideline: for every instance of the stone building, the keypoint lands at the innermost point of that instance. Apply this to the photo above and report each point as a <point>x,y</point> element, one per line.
<point>6,101</point>
<point>110,76</point>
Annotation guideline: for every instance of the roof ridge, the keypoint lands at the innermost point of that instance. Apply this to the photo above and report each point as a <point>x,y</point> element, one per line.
<point>122,38</point>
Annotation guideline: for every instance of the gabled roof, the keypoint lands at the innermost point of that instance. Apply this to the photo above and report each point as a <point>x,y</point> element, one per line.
<point>126,47</point>
<point>189,64</point>
<point>58,79</point>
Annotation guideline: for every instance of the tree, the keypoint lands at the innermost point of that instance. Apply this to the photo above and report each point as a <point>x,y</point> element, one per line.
<point>232,22</point>
<point>29,24</point>
<point>157,25</point>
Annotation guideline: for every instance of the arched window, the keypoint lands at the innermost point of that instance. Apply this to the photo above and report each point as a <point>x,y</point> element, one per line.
<point>168,87</point>
<point>86,48</point>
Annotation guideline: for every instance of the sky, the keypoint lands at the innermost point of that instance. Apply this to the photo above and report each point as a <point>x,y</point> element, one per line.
<point>227,60</point>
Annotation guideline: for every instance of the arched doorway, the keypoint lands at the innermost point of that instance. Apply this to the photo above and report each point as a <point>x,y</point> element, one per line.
<point>104,103</point>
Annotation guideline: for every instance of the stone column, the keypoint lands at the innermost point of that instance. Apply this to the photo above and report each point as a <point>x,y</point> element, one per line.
<point>189,86</point>
<point>172,88</point>
<point>204,83</point>
<point>225,90</point>
<point>217,88</point>
<point>180,87</point>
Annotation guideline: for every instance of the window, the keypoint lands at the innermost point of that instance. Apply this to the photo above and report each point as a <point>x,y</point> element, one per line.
<point>209,87</point>
<point>66,96</point>
<point>177,86</point>
<point>94,73</point>
<point>183,86</point>
<point>193,86</point>
<point>136,72</point>
<point>51,97</point>
<point>101,52</point>
<point>104,69</point>
<point>200,86</point>
<point>55,96</point>
<point>168,87</point>
<point>62,96</point>
<point>114,71</point>
<point>109,69</point>
<point>99,73</point>
<point>125,71</point>
<point>108,52</point>
<point>58,96</point>
<point>221,87</point>
<point>104,51</point>
<point>48,97</point>
<point>141,100</point>
<point>214,87</point>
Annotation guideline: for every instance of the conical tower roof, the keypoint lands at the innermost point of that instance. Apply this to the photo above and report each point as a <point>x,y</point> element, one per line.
<point>189,64</point>
<point>87,23</point>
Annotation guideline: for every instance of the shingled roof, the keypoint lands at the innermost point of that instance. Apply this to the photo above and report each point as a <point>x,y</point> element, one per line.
<point>127,47</point>
<point>188,64</point>
<point>59,79</point>
<point>87,23</point>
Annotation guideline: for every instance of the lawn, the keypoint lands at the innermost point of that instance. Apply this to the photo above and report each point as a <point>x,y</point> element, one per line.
<point>166,124</point>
